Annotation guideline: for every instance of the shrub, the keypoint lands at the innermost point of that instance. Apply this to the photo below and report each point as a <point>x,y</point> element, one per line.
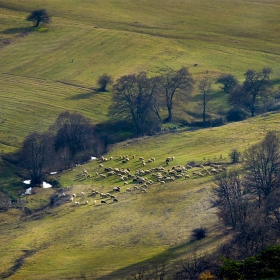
<point>199,233</point>
<point>236,114</point>
<point>234,156</point>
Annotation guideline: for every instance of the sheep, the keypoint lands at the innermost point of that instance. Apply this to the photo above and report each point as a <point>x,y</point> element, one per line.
<point>71,199</point>
<point>74,195</point>
<point>94,201</point>
<point>153,159</point>
<point>162,182</point>
<point>135,188</point>
<point>141,158</point>
<point>187,176</point>
<point>116,189</point>
<point>149,160</point>
<point>124,161</point>
<point>100,165</point>
<point>82,193</point>
<point>77,203</point>
<point>96,173</point>
<point>103,176</point>
<point>111,158</point>
<point>85,172</point>
<point>112,196</point>
<point>128,190</point>
<point>86,201</point>
<point>125,183</point>
<point>88,176</point>
<point>115,200</point>
<point>133,157</point>
<point>103,202</point>
<point>143,190</point>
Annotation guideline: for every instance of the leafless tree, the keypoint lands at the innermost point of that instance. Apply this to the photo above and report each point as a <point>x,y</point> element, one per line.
<point>262,164</point>
<point>230,199</point>
<point>36,156</point>
<point>74,134</point>
<point>133,99</point>
<point>192,267</point>
<point>175,83</point>
<point>255,88</point>
<point>205,87</point>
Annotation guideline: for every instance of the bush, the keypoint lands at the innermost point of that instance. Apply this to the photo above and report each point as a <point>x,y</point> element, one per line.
<point>234,156</point>
<point>199,233</point>
<point>236,114</point>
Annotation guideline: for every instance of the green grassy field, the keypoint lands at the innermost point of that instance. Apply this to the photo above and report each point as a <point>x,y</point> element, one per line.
<point>109,241</point>
<point>121,37</point>
<point>46,71</point>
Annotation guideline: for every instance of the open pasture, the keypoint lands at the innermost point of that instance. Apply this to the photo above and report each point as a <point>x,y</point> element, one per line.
<point>89,38</point>
<point>109,241</point>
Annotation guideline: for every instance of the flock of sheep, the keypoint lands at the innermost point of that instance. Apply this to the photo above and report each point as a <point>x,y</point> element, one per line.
<point>142,178</point>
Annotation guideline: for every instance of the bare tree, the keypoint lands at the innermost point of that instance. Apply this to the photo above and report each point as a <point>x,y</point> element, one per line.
<point>228,81</point>
<point>175,83</point>
<point>36,156</point>
<point>254,89</point>
<point>192,267</point>
<point>103,81</point>
<point>133,99</point>
<point>232,203</point>
<point>39,16</point>
<point>262,164</point>
<point>73,134</point>
<point>205,87</point>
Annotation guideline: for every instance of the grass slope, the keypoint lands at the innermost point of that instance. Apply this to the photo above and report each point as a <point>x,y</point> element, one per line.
<point>122,37</point>
<point>108,241</point>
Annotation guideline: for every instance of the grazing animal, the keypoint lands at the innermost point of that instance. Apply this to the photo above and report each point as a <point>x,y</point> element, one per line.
<point>77,203</point>
<point>116,189</point>
<point>103,202</point>
<point>83,194</point>
<point>115,200</point>
<point>86,201</point>
<point>71,199</point>
<point>74,195</point>
<point>128,189</point>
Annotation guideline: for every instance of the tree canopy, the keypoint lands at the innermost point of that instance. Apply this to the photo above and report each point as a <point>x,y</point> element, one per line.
<point>39,16</point>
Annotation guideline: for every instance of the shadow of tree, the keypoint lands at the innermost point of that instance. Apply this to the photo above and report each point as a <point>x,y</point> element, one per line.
<point>85,95</point>
<point>17,30</point>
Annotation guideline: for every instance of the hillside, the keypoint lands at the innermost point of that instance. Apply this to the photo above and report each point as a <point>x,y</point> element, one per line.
<point>121,37</point>
<point>110,241</point>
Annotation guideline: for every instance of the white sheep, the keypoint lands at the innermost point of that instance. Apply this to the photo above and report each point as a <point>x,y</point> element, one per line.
<point>77,203</point>
<point>100,165</point>
<point>86,201</point>
<point>71,199</point>
<point>128,189</point>
<point>82,193</point>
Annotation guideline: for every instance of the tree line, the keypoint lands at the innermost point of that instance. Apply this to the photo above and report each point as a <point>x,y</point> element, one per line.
<point>142,100</point>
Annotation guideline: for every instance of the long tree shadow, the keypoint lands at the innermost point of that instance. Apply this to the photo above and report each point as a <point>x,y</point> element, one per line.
<point>17,30</point>
<point>85,95</point>
<point>171,254</point>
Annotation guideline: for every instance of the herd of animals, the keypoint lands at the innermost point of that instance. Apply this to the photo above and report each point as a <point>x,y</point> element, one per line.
<point>139,178</point>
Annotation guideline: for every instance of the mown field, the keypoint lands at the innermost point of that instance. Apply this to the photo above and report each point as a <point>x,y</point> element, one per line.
<point>39,79</point>
<point>110,241</point>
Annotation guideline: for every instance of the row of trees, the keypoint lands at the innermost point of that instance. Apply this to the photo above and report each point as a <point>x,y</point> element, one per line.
<point>71,139</point>
<point>141,100</point>
<point>248,199</point>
